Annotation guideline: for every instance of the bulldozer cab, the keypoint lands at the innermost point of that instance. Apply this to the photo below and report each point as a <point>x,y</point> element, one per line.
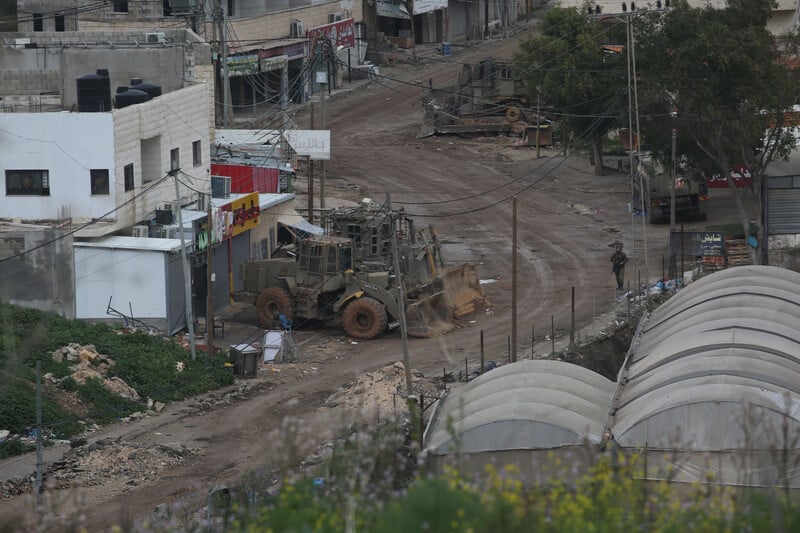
<point>322,261</point>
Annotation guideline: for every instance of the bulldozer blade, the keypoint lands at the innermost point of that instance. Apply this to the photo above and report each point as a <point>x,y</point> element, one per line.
<point>462,289</point>
<point>430,316</point>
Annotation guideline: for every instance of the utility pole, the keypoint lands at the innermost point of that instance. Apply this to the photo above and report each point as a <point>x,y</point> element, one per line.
<point>400,299</point>
<point>187,277</point>
<point>226,81</point>
<point>322,163</point>
<point>485,19</point>
<point>209,287</point>
<point>641,180</point>
<point>311,177</point>
<point>39,486</point>
<point>538,107</point>
<point>672,182</point>
<point>514,279</point>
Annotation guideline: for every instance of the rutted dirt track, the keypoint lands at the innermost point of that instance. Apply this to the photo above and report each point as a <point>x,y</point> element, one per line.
<point>375,148</point>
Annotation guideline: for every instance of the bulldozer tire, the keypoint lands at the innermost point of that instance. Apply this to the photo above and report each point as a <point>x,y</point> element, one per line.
<point>513,114</point>
<point>271,300</point>
<point>364,319</point>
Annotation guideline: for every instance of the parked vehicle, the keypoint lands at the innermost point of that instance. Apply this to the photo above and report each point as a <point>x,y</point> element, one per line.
<point>691,195</point>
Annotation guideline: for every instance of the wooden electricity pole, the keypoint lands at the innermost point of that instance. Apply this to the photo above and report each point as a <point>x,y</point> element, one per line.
<point>209,288</point>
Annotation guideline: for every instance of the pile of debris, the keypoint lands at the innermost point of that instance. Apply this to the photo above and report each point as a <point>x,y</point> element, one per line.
<point>382,392</point>
<point>90,364</point>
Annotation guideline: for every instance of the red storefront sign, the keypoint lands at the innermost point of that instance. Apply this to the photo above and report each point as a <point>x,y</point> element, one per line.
<point>741,178</point>
<point>245,179</point>
<point>340,33</point>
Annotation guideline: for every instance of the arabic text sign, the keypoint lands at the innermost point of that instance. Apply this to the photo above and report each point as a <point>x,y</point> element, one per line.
<point>240,215</point>
<point>711,242</point>
<point>316,144</point>
<point>242,65</point>
<point>340,33</point>
<point>741,178</point>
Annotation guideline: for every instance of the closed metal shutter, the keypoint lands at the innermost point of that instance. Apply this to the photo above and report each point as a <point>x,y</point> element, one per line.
<point>241,253</point>
<point>783,211</point>
<point>219,262</point>
<point>176,302</point>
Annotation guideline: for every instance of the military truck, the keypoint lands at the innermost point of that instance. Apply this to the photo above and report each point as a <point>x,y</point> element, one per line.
<point>691,195</point>
<point>348,276</point>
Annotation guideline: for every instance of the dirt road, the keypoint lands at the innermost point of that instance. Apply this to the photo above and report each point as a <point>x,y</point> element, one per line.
<point>566,219</point>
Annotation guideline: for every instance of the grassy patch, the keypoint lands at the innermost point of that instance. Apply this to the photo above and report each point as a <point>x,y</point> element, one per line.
<point>145,362</point>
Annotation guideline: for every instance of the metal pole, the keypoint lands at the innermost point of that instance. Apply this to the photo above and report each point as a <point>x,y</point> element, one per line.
<point>638,129</point>
<point>572,326</point>
<point>226,80</point>
<point>187,278</point>
<point>683,269</point>
<point>483,366</point>
<point>209,287</point>
<point>322,163</point>
<point>485,19</point>
<point>311,177</point>
<point>349,67</point>
<point>672,181</point>
<point>509,348</point>
<point>513,347</point>
<point>401,308</point>
<point>553,334</point>
<point>533,339</point>
<point>39,488</point>
<point>538,105</point>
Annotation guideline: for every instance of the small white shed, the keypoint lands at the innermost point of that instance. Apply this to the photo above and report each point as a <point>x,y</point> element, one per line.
<point>141,278</point>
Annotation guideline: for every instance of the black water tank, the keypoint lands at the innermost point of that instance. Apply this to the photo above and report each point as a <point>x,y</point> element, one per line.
<point>94,92</point>
<point>126,97</point>
<point>151,89</point>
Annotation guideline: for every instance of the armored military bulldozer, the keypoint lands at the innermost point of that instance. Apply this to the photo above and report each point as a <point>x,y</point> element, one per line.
<point>347,275</point>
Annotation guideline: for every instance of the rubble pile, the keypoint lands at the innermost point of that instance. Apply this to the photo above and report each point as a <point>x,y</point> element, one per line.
<point>216,399</point>
<point>109,460</point>
<point>381,392</point>
<point>89,364</point>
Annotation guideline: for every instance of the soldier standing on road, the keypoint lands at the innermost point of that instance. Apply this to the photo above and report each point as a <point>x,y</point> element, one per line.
<point>618,260</point>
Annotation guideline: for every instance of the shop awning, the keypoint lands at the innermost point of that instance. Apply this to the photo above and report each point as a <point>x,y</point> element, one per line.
<point>300,227</point>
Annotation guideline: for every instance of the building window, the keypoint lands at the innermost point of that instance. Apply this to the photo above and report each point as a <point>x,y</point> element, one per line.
<point>230,8</point>
<point>197,153</point>
<point>175,159</point>
<point>27,183</point>
<point>128,177</point>
<point>120,6</point>
<point>167,8</point>
<point>99,178</point>
<point>59,20</point>
<point>38,22</point>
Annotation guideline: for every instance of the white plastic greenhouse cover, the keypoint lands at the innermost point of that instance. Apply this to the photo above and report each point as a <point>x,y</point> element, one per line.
<point>717,367</point>
<point>531,404</point>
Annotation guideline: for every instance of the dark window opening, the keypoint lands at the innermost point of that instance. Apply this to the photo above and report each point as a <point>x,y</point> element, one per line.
<point>128,177</point>
<point>99,179</point>
<point>167,8</point>
<point>315,259</point>
<point>120,6</point>
<point>38,22</point>
<point>197,153</point>
<point>59,20</point>
<point>27,183</point>
<point>230,8</point>
<point>331,267</point>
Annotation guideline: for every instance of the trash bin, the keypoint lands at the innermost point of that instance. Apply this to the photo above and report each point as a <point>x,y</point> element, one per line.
<point>445,49</point>
<point>245,360</point>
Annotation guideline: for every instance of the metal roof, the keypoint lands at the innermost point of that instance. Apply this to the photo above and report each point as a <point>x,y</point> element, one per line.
<point>134,243</point>
<point>717,366</point>
<point>530,404</point>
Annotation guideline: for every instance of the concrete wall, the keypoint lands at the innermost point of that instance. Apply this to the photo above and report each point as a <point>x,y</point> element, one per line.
<point>93,13</point>
<point>784,251</point>
<point>26,8</point>
<point>67,145</point>
<point>41,279</point>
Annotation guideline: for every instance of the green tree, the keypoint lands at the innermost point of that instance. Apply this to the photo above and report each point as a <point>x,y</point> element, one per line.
<point>720,78</point>
<point>567,67</point>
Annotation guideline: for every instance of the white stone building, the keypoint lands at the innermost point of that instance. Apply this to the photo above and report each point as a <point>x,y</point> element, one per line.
<point>105,166</point>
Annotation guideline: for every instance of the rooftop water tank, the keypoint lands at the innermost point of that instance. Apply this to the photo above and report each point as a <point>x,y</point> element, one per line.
<point>151,89</point>
<point>94,92</point>
<point>126,97</point>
